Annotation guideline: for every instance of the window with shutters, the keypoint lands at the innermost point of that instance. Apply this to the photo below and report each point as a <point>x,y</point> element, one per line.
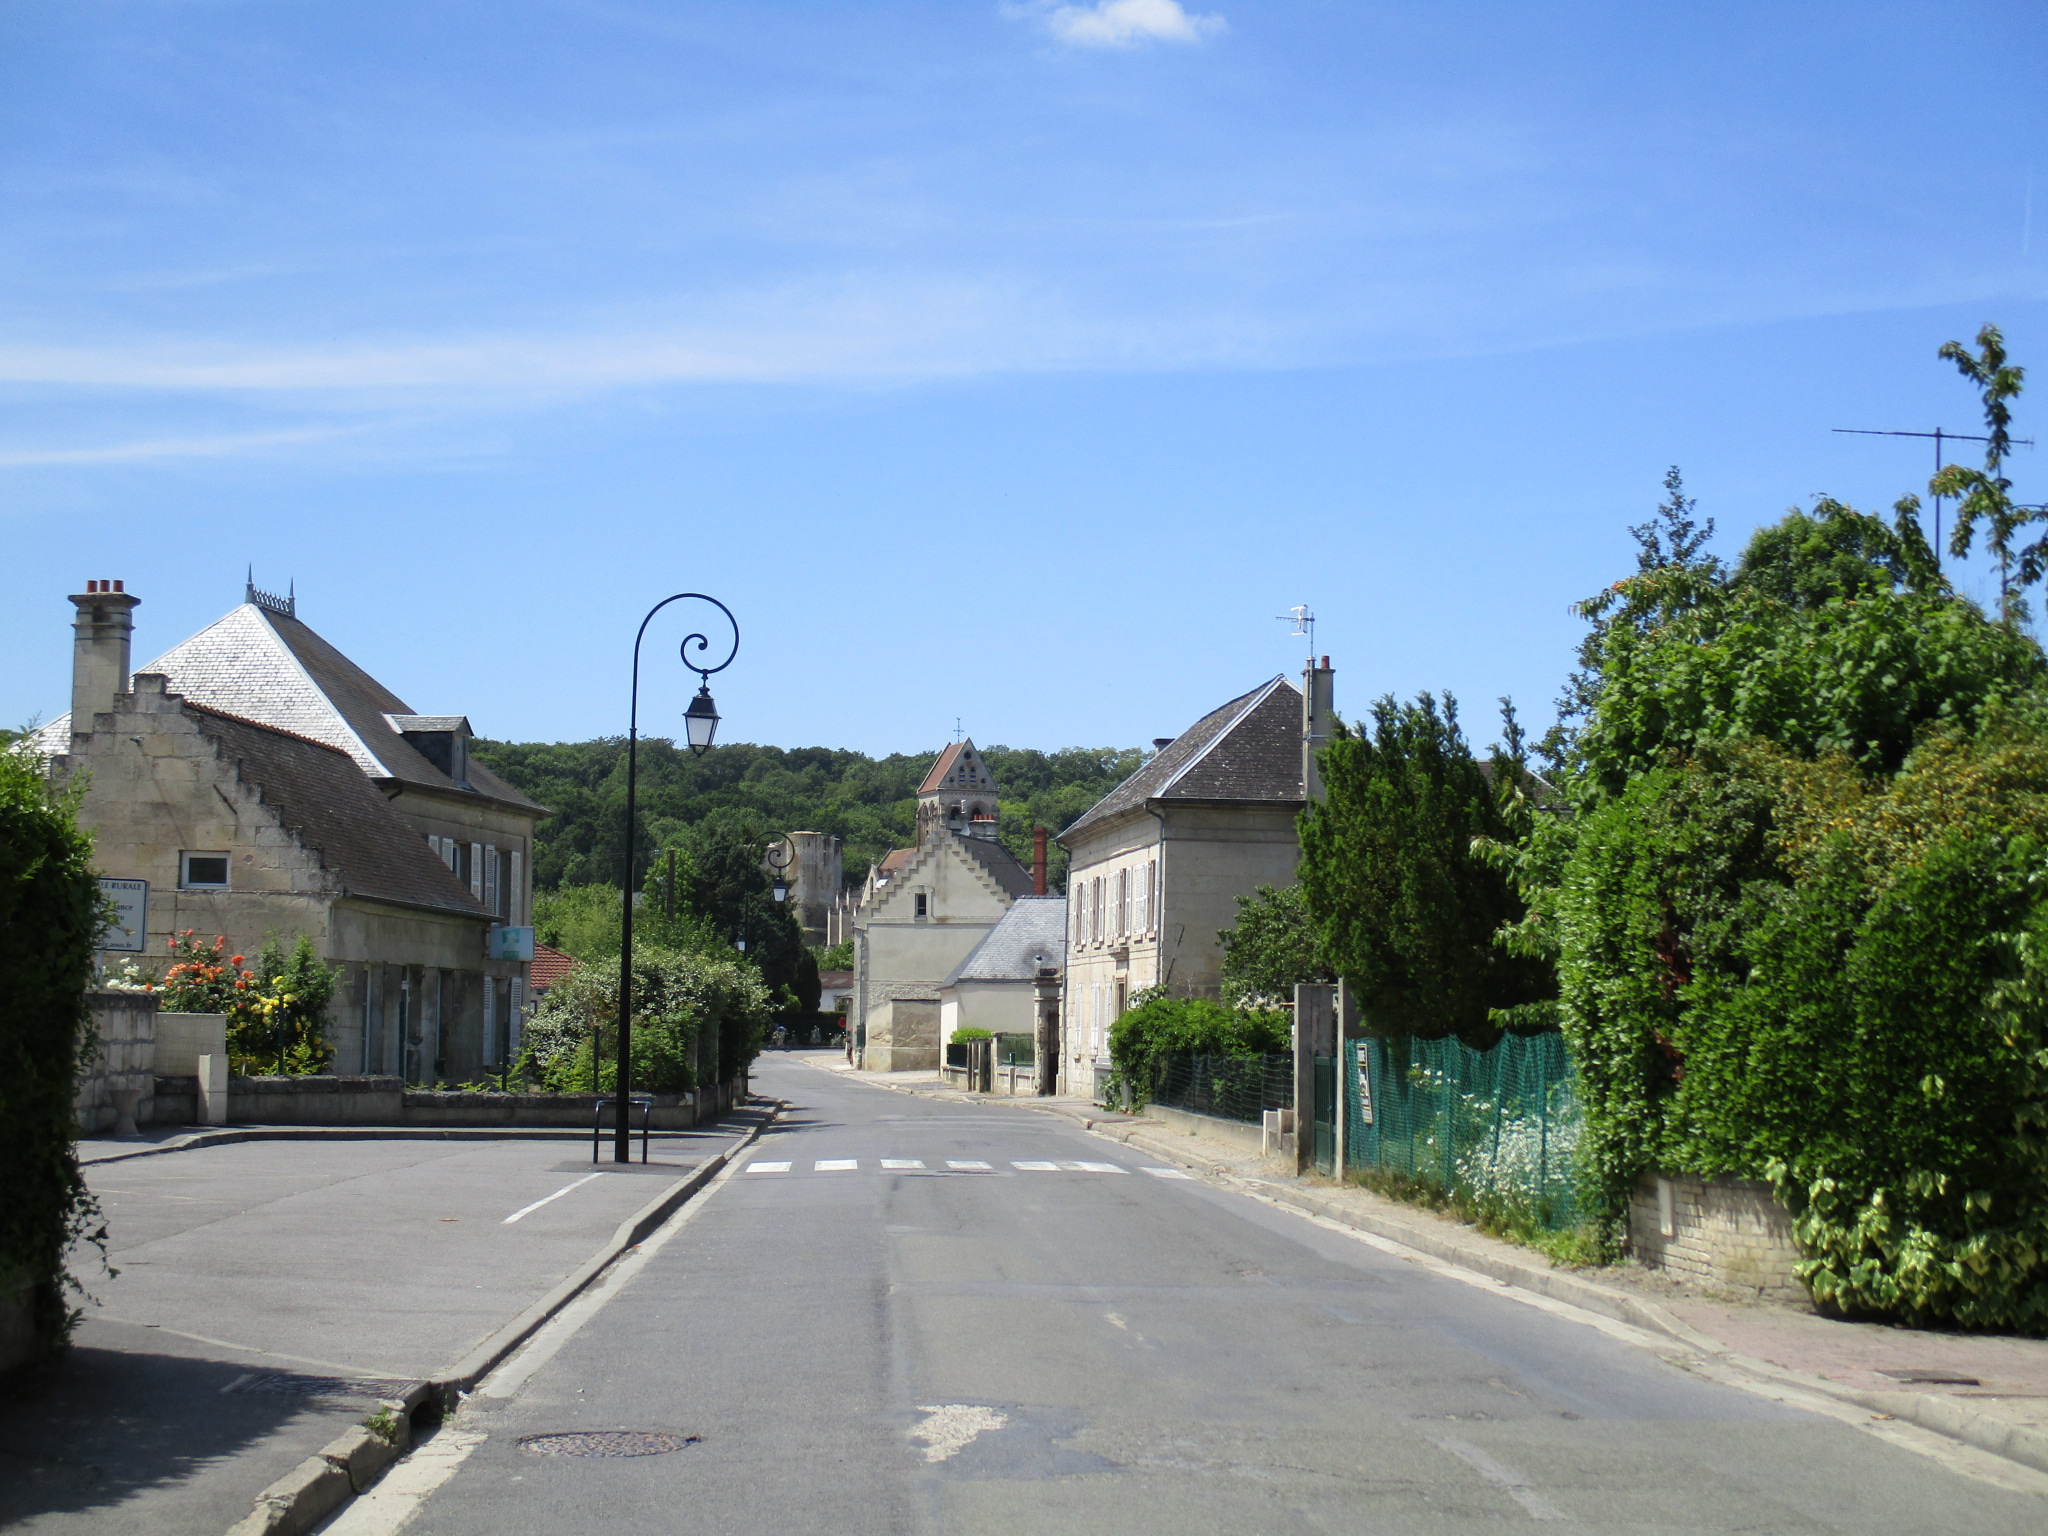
<point>494,885</point>
<point>476,869</point>
<point>1123,902</point>
<point>515,904</point>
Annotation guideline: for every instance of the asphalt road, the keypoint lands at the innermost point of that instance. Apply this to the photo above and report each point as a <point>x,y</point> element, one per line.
<point>868,1331</point>
<point>265,1293</point>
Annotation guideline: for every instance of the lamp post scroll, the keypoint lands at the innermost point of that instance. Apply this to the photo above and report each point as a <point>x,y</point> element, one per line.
<point>700,724</point>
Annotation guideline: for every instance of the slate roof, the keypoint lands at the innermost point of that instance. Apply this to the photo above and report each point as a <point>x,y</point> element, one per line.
<point>261,665</point>
<point>1000,864</point>
<point>322,796</point>
<point>1032,933</point>
<point>1246,752</point>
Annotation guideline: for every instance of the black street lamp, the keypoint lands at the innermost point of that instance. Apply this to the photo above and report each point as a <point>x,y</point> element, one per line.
<point>781,865</point>
<point>700,722</point>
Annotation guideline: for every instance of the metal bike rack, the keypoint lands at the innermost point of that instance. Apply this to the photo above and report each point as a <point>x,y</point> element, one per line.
<point>644,1102</point>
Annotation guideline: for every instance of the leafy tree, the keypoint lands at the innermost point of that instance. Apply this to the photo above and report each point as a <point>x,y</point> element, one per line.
<point>1404,907</point>
<point>1985,495</point>
<point>1272,949</point>
<point>838,957</point>
<point>732,893</point>
<point>869,803</point>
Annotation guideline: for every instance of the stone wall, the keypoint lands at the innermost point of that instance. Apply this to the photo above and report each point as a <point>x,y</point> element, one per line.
<point>903,1036</point>
<point>1730,1232</point>
<point>385,1101</point>
<point>126,1026</point>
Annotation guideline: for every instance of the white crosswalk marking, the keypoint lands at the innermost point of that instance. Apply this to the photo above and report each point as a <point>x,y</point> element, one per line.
<point>1036,1167</point>
<point>901,1162</point>
<point>971,1167</point>
<point>767,1167</point>
<point>836,1165</point>
<point>1094,1167</point>
<point>1167,1173</point>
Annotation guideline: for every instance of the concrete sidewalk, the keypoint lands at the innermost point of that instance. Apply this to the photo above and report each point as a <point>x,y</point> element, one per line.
<point>272,1289</point>
<point>1990,1391</point>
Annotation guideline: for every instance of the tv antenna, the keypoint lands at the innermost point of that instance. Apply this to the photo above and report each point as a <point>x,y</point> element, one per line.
<point>1304,623</point>
<point>1940,435</point>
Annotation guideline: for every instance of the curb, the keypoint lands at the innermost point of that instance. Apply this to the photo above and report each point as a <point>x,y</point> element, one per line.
<point>1945,1416</point>
<point>347,1465</point>
<point>233,1134</point>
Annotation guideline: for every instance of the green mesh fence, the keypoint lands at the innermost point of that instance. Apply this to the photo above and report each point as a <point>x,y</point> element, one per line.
<point>1497,1126</point>
<point>1233,1087</point>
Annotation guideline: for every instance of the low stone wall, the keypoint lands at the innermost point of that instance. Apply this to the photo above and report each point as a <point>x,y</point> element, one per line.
<point>1238,1135</point>
<point>126,1025</point>
<point>387,1101</point>
<point>182,1038</point>
<point>321,1100</point>
<point>1730,1232</point>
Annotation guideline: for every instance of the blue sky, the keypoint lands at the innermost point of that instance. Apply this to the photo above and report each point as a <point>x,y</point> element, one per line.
<point>1010,362</point>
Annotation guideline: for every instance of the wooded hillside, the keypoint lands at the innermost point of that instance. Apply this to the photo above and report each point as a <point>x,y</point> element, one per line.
<point>869,802</point>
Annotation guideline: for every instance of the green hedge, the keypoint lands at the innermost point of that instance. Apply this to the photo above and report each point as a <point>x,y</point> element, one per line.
<point>49,921</point>
<point>1155,1029</point>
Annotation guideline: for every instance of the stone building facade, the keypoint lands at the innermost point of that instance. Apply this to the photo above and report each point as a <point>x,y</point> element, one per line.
<point>925,908</point>
<point>1156,866</point>
<point>263,786</point>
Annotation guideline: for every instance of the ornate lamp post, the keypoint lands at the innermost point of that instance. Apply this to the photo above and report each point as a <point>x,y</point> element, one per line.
<point>700,723</point>
<point>781,866</point>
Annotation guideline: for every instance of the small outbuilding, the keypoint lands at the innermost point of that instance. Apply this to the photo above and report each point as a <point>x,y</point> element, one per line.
<point>992,988</point>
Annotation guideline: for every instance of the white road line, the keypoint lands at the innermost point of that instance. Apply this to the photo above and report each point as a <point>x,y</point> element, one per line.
<point>767,1167</point>
<point>836,1165</point>
<point>901,1162</point>
<point>971,1167</point>
<point>1517,1485</point>
<point>399,1496</point>
<point>1094,1167</point>
<point>1167,1173</point>
<point>528,1210</point>
<point>1037,1167</point>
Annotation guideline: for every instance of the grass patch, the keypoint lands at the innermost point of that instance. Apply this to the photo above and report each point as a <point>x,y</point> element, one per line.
<point>1516,1222</point>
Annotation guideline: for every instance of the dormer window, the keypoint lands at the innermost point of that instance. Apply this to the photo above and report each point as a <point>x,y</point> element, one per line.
<point>442,740</point>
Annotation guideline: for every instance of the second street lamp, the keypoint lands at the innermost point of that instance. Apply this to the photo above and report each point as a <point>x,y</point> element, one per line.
<point>700,724</point>
<point>781,866</point>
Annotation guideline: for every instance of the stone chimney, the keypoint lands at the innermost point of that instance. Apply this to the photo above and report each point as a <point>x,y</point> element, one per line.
<point>99,653</point>
<point>1317,691</point>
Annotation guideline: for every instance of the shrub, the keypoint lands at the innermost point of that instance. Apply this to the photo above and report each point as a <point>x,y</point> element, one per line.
<point>970,1032</point>
<point>678,996</point>
<point>1156,1027</point>
<point>50,917</point>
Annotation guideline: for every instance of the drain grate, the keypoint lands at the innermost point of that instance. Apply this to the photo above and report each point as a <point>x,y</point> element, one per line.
<point>287,1384</point>
<point>1932,1378</point>
<point>605,1442</point>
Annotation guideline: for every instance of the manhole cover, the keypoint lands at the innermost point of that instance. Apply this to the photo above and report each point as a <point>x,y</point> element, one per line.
<point>605,1442</point>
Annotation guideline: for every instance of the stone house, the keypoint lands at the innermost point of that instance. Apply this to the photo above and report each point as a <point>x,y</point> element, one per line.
<point>992,988</point>
<point>925,908</point>
<point>1156,866</point>
<point>253,782</point>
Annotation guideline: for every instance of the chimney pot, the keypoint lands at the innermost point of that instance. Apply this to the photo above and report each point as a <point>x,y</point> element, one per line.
<point>1161,743</point>
<point>117,588</point>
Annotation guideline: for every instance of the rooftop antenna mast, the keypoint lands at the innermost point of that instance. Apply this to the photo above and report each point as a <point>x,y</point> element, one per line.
<point>1304,623</point>
<point>1940,435</point>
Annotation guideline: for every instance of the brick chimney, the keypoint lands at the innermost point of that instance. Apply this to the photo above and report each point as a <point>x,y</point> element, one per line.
<point>1038,861</point>
<point>99,653</point>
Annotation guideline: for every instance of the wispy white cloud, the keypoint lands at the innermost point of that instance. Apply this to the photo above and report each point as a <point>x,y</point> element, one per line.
<point>1130,23</point>
<point>232,445</point>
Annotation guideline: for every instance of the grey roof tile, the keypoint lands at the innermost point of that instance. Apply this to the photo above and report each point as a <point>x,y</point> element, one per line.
<point>1032,933</point>
<point>320,793</point>
<point>1246,751</point>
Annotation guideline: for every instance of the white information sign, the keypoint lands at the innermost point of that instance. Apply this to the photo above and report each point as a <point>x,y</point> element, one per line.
<point>511,943</point>
<point>129,932</point>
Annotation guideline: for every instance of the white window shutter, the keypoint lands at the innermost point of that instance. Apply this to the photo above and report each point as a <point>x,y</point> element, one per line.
<point>513,1025</point>
<point>494,888</point>
<point>476,870</point>
<point>490,1020</point>
<point>515,904</point>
